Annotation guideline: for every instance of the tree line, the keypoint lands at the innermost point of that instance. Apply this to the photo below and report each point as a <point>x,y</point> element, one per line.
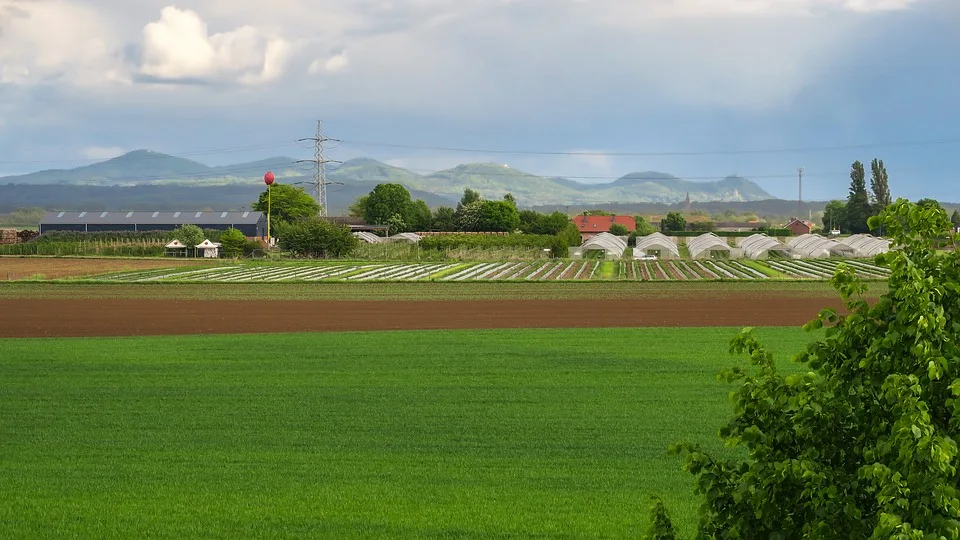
<point>852,215</point>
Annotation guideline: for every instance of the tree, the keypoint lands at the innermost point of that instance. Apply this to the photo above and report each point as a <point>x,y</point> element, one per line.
<point>469,197</point>
<point>618,230</point>
<point>316,237</point>
<point>468,217</point>
<point>674,221</point>
<point>420,216</point>
<point>703,226</point>
<point>835,215</point>
<point>862,442</point>
<point>444,219</point>
<point>930,203</point>
<point>879,184</point>
<point>858,209</point>
<point>644,227</point>
<point>386,201</point>
<point>955,219</point>
<point>510,199</point>
<point>191,235</point>
<point>232,242</point>
<point>498,216</point>
<point>287,203</point>
<point>533,222</point>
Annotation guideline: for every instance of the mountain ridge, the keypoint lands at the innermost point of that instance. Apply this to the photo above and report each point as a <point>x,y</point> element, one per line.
<point>492,180</point>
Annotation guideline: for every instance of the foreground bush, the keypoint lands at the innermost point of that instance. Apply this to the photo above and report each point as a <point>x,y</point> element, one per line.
<point>864,443</point>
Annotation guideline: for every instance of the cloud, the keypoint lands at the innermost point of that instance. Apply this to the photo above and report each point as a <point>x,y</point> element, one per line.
<point>178,46</point>
<point>102,152</point>
<point>56,41</point>
<point>336,62</point>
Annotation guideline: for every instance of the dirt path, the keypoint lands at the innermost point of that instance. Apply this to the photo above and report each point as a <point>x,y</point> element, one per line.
<point>122,317</point>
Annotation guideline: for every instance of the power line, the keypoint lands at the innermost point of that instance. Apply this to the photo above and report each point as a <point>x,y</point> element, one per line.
<point>929,142</point>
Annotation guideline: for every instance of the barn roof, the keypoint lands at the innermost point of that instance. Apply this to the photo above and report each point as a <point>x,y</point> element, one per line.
<point>146,218</point>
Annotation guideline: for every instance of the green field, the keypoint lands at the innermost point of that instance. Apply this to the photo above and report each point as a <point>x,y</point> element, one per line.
<point>453,433</point>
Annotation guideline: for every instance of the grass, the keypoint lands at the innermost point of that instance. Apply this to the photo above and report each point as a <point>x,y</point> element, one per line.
<point>424,290</point>
<point>452,433</point>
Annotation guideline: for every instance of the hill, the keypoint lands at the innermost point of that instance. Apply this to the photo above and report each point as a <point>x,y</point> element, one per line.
<point>148,168</point>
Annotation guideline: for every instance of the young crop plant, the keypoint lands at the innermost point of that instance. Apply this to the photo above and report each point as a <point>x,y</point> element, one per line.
<point>863,443</point>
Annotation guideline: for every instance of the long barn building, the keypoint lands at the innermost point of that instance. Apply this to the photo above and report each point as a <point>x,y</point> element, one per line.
<point>251,224</point>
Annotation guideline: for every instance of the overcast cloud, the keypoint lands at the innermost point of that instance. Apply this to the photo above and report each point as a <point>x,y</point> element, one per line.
<point>85,79</point>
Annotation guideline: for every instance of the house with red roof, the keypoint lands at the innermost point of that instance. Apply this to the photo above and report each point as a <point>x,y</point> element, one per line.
<point>800,227</point>
<point>590,226</point>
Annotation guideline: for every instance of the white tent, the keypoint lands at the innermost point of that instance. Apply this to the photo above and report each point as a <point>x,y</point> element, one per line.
<point>210,249</point>
<point>706,245</point>
<point>658,242</point>
<point>866,245</point>
<point>610,244</point>
<point>812,246</point>
<point>759,246</point>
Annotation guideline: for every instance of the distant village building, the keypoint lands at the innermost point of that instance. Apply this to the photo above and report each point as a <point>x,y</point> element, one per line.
<point>799,227</point>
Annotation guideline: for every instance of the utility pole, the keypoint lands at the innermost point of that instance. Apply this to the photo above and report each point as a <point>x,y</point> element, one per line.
<point>319,161</point>
<point>800,193</point>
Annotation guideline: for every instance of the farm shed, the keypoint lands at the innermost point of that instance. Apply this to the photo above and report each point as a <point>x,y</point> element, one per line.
<point>812,246</point>
<point>708,245</point>
<point>760,246</point>
<point>368,237</point>
<point>866,245</point>
<point>613,246</point>
<point>176,249</point>
<point>658,244</point>
<point>251,224</point>
<point>211,250</point>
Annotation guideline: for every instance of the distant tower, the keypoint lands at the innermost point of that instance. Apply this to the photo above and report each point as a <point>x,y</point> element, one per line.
<point>686,203</point>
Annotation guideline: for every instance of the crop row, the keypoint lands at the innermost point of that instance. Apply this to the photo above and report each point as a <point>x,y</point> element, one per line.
<point>550,270</point>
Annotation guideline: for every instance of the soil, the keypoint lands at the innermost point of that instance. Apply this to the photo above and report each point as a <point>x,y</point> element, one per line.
<point>126,317</point>
<point>12,268</point>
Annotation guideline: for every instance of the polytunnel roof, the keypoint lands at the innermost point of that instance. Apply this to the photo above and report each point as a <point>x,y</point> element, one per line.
<point>609,243</point>
<point>368,237</point>
<point>706,242</point>
<point>755,245</point>
<point>812,245</point>
<point>866,245</point>
<point>407,236</point>
<point>658,240</point>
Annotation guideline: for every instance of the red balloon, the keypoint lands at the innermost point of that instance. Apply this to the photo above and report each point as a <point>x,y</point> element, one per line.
<point>268,178</point>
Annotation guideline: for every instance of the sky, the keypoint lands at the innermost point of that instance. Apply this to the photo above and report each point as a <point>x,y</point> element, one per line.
<point>590,89</point>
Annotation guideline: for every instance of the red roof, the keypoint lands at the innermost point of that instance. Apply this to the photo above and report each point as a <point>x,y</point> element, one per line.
<point>599,224</point>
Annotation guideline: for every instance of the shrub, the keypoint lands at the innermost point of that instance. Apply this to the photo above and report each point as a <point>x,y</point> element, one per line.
<point>316,238</point>
<point>449,241</point>
<point>232,242</point>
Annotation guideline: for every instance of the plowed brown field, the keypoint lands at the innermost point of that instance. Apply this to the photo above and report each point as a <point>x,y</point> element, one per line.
<point>56,268</point>
<point>124,317</point>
